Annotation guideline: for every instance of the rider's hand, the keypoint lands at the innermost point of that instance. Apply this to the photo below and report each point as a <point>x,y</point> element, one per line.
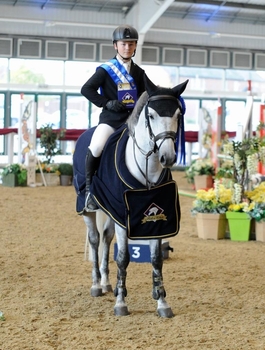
<point>115,105</point>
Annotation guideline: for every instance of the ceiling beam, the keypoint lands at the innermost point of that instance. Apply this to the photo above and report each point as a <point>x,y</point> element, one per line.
<point>237,5</point>
<point>146,12</point>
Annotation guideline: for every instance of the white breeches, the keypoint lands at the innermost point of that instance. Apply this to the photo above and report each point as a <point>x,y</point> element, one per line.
<point>99,139</point>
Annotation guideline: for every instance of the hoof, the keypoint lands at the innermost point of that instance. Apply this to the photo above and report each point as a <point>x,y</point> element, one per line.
<point>96,292</point>
<point>121,311</point>
<point>107,289</point>
<point>166,313</point>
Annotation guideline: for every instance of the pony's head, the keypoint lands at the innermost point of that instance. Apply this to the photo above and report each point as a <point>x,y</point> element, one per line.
<point>163,118</point>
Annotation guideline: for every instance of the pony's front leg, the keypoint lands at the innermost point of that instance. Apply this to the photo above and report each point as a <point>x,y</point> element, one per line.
<point>93,236</point>
<point>159,293</point>
<point>123,259</point>
<point>108,234</point>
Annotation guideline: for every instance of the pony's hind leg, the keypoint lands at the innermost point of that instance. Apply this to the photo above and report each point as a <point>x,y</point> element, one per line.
<point>159,293</point>
<point>93,237</point>
<point>123,259</point>
<point>108,234</point>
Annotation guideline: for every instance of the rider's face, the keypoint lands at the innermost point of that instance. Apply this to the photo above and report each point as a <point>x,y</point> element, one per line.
<point>125,48</point>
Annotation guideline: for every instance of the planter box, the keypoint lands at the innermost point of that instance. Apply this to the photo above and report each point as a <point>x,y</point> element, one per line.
<point>211,226</point>
<point>50,178</point>
<point>260,231</point>
<point>239,226</point>
<point>203,182</point>
<point>11,180</point>
<point>65,180</point>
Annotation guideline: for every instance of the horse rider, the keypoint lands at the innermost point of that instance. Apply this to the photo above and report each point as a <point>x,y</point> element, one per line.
<point>120,82</point>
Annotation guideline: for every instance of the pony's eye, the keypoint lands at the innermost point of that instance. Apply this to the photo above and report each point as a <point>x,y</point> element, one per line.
<point>150,116</point>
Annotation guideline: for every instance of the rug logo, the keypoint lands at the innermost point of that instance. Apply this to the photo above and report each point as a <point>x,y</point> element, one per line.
<point>153,213</point>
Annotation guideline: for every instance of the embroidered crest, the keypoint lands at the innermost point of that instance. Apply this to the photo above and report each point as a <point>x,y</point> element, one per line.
<point>127,98</point>
<point>154,213</point>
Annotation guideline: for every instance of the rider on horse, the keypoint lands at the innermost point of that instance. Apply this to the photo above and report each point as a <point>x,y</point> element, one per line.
<point>120,82</point>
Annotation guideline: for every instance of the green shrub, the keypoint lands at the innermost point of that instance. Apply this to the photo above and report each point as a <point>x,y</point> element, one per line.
<point>66,169</point>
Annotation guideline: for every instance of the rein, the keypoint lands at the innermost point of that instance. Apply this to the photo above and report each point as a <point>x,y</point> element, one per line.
<point>153,138</point>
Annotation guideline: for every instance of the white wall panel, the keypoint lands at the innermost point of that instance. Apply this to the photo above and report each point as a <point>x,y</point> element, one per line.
<point>58,23</point>
<point>201,33</point>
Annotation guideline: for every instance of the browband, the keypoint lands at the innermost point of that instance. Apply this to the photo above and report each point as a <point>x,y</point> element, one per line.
<point>162,97</point>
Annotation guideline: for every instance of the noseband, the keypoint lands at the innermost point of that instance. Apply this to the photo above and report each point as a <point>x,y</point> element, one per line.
<point>154,138</point>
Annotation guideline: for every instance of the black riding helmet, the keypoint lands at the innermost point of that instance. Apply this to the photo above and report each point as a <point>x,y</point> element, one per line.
<point>125,33</point>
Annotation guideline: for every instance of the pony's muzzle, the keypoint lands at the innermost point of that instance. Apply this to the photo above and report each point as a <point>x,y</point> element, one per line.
<point>167,162</point>
<point>167,155</point>
<point>167,151</point>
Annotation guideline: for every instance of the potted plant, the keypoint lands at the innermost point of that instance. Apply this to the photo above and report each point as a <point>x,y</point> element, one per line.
<point>47,174</point>
<point>14,175</point>
<point>257,196</point>
<point>49,141</point>
<point>225,173</point>
<point>66,174</point>
<point>245,156</point>
<point>200,173</point>
<point>210,207</point>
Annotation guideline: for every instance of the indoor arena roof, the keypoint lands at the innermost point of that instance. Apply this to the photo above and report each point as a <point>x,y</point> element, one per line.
<point>223,24</point>
<point>241,11</point>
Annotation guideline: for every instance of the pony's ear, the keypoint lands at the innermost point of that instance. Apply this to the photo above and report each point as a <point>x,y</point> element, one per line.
<point>150,87</point>
<point>178,90</point>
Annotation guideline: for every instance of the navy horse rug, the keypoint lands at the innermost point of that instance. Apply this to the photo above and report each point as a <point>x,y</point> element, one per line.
<point>144,213</point>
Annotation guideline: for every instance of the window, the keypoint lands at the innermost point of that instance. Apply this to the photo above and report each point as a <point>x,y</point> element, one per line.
<point>77,73</point>
<point>3,70</point>
<point>37,72</point>
<point>48,110</point>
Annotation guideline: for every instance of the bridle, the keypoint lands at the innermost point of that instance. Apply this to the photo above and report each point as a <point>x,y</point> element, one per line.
<point>153,138</point>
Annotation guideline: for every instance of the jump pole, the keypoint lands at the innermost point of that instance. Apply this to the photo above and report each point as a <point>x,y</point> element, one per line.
<point>187,194</point>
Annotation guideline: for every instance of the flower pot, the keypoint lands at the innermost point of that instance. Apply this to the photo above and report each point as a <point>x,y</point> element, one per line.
<point>211,226</point>
<point>239,226</point>
<point>65,180</point>
<point>11,180</point>
<point>203,182</point>
<point>260,231</point>
<point>51,179</point>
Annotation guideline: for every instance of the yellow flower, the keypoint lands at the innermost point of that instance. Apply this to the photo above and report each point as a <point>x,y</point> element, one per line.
<point>258,194</point>
<point>242,207</point>
<point>234,207</point>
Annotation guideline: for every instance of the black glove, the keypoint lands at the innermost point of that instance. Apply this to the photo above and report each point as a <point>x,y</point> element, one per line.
<point>115,106</point>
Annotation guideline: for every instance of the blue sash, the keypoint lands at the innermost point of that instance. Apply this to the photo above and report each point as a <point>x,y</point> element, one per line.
<point>127,92</point>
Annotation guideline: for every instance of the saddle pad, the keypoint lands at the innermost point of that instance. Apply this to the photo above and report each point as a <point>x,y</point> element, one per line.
<point>154,213</point>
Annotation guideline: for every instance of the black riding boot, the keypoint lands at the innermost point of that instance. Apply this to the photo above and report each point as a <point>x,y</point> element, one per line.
<point>91,167</point>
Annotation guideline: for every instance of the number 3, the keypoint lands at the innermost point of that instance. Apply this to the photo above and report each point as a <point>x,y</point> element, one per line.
<point>136,252</point>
